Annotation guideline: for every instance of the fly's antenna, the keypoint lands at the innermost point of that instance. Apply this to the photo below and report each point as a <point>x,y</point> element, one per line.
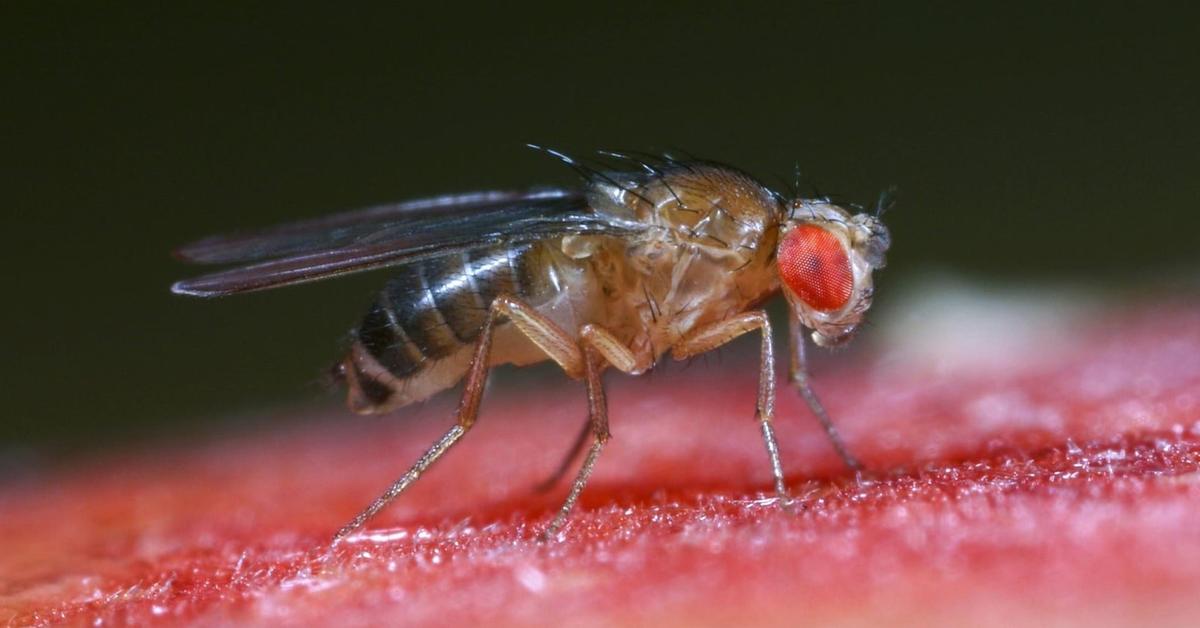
<point>887,200</point>
<point>589,174</point>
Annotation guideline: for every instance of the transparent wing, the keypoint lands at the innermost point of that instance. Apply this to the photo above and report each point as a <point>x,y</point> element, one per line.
<point>360,226</point>
<point>386,236</point>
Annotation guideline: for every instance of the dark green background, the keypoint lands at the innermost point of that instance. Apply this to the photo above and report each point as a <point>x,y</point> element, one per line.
<point>1034,142</point>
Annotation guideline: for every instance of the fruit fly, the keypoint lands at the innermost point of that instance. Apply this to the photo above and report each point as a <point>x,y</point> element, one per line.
<point>650,256</point>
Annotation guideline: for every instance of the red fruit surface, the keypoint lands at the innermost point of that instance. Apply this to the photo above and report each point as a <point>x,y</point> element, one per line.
<point>1057,483</point>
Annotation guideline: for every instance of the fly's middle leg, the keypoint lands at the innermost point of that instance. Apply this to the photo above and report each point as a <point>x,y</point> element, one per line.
<point>708,338</point>
<point>544,333</point>
<point>598,423</point>
<point>616,354</point>
<point>599,347</point>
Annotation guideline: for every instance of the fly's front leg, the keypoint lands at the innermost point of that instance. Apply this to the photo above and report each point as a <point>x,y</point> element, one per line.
<point>543,332</point>
<point>709,338</point>
<point>798,374</point>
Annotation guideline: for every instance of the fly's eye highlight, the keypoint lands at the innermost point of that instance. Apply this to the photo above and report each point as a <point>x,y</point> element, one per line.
<point>814,265</point>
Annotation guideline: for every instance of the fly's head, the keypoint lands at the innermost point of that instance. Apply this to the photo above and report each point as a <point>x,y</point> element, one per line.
<point>825,258</point>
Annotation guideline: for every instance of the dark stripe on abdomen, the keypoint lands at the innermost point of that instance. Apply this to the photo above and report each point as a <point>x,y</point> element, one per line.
<point>432,308</point>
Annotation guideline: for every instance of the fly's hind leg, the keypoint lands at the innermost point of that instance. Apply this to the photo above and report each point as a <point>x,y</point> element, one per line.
<point>798,374</point>
<point>713,336</point>
<point>544,333</point>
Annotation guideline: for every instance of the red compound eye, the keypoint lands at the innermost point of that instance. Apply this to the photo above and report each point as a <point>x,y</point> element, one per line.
<point>814,265</point>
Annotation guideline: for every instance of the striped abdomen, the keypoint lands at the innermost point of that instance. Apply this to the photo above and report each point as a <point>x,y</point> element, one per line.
<point>418,335</point>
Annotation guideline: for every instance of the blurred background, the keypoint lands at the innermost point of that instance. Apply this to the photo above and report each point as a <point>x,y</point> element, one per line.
<point>1028,143</point>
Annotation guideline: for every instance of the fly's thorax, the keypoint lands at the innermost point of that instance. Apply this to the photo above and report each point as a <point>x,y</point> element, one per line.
<point>702,253</point>
<point>696,203</point>
<point>826,257</point>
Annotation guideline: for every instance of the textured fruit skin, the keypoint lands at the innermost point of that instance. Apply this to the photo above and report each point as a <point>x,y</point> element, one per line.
<point>813,264</point>
<point>1062,487</point>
